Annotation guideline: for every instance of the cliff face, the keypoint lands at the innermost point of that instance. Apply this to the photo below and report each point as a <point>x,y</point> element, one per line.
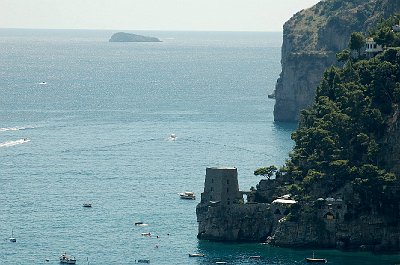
<point>311,38</point>
<point>370,234</point>
<point>237,222</point>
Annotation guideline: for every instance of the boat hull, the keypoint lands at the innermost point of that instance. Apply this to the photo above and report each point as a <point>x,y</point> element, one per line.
<point>196,255</point>
<point>314,260</point>
<point>188,197</point>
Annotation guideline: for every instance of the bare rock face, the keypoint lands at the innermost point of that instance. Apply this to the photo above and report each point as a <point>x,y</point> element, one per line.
<point>295,89</point>
<point>311,38</point>
<point>366,233</point>
<point>237,222</point>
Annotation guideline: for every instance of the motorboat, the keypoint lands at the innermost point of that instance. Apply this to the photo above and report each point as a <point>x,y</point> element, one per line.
<point>188,195</point>
<point>196,255</point>
<point>255,257</point>
<point>143,261</point>
<point>141,224</point>
<point>87,204</point>
<point>43,83</point>
<point>172,137</point>
<point>65,259</point>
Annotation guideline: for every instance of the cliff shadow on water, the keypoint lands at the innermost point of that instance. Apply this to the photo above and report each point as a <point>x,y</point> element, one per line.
<point>285,126</point>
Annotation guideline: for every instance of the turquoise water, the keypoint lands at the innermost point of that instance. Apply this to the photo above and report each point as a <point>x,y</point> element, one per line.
<point>98,130</point>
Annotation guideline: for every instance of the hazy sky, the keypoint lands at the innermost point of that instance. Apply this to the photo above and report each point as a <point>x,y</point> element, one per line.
<point>230,15</point>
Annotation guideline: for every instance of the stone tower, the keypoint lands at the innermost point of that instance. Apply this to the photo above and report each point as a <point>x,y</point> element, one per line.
<point>221,186</point>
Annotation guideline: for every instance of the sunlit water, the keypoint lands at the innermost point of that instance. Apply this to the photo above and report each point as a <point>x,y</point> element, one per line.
<point>85,120</point>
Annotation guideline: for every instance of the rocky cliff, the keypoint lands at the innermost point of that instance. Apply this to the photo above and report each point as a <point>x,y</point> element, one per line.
<point>237,222</point>
<point>311,38</point>
<point>322,223</point>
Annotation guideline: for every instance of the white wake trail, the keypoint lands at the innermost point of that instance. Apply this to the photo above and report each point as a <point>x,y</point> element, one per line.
<point>16,142</point>
<point>17,128</point>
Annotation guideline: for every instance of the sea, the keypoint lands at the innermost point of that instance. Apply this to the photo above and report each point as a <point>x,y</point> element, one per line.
<point>127,127</point>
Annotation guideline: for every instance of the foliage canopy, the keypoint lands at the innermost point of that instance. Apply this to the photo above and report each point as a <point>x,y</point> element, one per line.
<point>341,137</point>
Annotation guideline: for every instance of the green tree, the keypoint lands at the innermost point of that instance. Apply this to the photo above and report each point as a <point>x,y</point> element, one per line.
<point>357,42</point>
<point>343,56</point>
<point>266,171</point>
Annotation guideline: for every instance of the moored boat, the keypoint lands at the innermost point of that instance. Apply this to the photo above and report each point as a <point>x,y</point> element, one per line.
<point>315,260</point>
<point>65,259</point>
<point>196,255</point>
<point>310,260</point>
<point>187,195</point>
<point>143,261</point>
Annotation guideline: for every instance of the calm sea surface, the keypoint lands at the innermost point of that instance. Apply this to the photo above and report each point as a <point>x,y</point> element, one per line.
<point>98,130</point>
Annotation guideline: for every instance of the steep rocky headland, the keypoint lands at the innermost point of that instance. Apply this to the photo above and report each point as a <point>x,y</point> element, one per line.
<point>340,187</point>
<point>129,37</point>
<point>311,38</point>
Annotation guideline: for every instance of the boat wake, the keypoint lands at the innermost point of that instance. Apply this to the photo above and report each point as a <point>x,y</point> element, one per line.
<point>16,142</point>
<point>17,128</point>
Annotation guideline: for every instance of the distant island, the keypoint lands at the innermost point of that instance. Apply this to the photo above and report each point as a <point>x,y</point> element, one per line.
<point>129,37</point>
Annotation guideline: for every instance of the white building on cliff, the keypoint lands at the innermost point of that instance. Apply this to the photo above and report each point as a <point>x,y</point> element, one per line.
<point>371,47</point>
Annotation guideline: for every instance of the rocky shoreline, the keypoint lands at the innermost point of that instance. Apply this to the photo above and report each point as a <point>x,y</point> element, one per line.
<point>322,223</point>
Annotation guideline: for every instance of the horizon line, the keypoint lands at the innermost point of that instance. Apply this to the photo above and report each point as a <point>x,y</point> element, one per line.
<point>159,30</point>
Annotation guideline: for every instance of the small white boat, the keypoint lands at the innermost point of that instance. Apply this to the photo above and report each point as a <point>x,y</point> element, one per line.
<point>196,255</point>
<point>146,234</point>
<point>140,224</point>
<point>65,259</point>
<point>187,195</point>
<point>12,238</point>
<point>42,83</point>
<point>315,260</point>
<point>87,204</point>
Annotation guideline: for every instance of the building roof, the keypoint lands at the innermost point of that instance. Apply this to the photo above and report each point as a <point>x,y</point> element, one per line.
<point>284,201</point>
<point>222,167</point>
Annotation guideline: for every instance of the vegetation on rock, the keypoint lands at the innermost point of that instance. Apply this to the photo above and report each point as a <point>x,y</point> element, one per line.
<point>341,138</point>
<point>266,171</point>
